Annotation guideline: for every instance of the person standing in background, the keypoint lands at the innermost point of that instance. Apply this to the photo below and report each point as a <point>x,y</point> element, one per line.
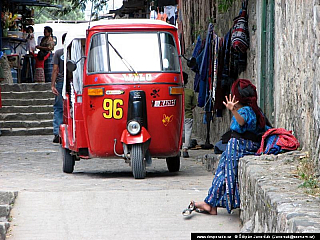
<point>56,87</point>
<point>47,45</point>
<point>190,102</point>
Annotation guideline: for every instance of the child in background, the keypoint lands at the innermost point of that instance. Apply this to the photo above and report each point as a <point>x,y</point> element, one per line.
<point>31,42</point>
<point>40,58</point>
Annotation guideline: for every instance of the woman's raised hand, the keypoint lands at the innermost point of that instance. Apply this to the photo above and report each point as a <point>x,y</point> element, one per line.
<point>230,102</point>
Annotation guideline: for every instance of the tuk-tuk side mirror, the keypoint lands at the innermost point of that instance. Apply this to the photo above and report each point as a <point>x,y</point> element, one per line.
<point>191,62</point>
<point>72,65</point>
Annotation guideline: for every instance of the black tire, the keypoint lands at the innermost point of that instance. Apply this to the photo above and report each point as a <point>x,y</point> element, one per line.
<point>137,162</point>
<point>173,163</point>
<point>68,160</point>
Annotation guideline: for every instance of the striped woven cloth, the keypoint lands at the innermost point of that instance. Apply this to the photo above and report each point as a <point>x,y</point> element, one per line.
<point>286,140</point>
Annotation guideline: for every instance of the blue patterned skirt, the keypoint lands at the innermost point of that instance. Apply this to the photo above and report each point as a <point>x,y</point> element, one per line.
<point>224,191</point>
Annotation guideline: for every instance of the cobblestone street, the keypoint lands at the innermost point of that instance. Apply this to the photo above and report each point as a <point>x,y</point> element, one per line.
<point>101,199</point>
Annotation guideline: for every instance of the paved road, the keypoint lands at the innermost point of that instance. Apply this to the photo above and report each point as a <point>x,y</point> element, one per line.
<point>101,200</point>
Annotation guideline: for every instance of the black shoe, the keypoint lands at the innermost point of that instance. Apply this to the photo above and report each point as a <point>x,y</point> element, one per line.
<point>185,154</point>
<point>189,210</point>
<point>56,139</point>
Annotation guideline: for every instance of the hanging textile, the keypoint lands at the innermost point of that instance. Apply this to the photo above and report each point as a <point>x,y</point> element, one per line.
<point>197,54</point>
<point>240,33</point>
<point>171,14</point>
<point>219,63</point>
<point>203,71</point>
<point>153,14</point>
<point>220,90</point>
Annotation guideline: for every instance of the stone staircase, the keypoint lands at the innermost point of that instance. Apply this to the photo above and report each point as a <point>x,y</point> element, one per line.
<point>27,109</point>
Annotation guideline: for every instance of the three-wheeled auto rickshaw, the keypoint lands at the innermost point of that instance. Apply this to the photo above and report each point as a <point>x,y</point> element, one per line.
<point>123,94</point>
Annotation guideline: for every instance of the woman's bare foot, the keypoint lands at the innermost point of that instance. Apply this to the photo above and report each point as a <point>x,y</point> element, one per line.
<point>206,207</point>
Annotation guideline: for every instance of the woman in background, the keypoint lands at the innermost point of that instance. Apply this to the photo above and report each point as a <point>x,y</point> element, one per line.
<point>47,45</point>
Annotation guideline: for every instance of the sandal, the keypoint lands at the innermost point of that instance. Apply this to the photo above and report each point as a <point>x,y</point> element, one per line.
<point>198,210</point>
<point>189,210</point>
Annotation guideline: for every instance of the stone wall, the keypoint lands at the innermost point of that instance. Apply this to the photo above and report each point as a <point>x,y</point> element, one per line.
<point>297,70</point>
<point>272,199</point>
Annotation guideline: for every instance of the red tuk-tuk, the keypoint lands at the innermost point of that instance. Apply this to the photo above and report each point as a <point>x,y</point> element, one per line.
<point>123,94</point>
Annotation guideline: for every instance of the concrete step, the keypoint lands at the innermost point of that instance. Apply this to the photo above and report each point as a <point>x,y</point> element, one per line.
<point>27,109</point>
<point>6,201</point>
<point>26,131</point>
<point>7,197</point>
<point>4,226</point>
<point>27,95</point>
<point>26,124</point>
<point>23,87</point>
<point>26,116</point>
<point>27,102</point>
<point>4,212</point>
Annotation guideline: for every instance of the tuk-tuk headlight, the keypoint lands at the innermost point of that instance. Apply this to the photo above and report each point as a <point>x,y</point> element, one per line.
<point>133,127</point>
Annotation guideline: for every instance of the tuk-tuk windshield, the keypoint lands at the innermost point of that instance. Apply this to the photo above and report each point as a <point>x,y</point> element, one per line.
<point>133,52</point>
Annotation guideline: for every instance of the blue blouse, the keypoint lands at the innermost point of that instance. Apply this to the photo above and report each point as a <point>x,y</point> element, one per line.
<point>250,119</point>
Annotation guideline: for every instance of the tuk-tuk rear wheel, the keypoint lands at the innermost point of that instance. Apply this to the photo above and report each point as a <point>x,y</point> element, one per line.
<point>137,161</point>
<point>68,161</point>
<point>173,163</point>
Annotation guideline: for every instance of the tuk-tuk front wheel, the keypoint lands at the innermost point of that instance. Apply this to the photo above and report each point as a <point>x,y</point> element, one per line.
<point>68,160</point>
<point>137,161</point>
<point>173,163</point>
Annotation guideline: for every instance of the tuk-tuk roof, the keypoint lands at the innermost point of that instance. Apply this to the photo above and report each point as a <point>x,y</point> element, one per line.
<point>127,24</point>
<point>79,31</point>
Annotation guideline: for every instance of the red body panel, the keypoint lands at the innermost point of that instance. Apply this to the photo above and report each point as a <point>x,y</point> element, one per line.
<point>164,122</point>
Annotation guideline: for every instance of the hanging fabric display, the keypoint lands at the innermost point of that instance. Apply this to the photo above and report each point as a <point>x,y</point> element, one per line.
<point>220,60</point>
<point>240,33</point>
<point>203,70</point>
<point>197,54</point>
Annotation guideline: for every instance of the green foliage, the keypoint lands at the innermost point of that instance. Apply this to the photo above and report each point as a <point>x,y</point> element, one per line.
<point>67,12</point>
<point>306,172</point>
<point>224,5</point>
<point>310,183</point>
<point>97,5</point>
<point>71,10</point>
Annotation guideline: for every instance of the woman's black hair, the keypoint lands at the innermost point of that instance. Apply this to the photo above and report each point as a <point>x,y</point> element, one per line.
<point>49,29</point>
<point>30,27</point>
<point>246,92</point>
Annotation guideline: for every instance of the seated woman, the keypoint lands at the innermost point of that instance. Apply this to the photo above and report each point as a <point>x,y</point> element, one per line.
<point>247,122</point>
